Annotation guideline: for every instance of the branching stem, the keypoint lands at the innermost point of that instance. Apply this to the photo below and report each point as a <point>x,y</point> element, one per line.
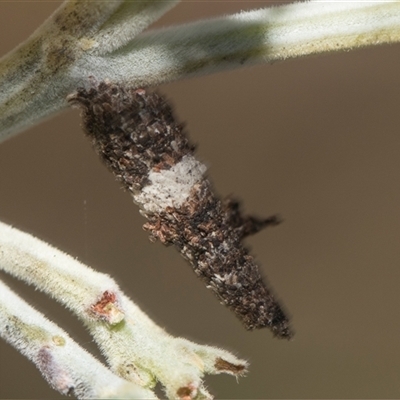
<point>37,77</point>
<point>136,349</point>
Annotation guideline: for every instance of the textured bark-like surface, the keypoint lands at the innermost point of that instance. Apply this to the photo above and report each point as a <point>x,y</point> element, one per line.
<point>137,137</point>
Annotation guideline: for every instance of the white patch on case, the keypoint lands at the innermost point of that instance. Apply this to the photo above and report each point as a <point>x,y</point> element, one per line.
<point>170,188</point>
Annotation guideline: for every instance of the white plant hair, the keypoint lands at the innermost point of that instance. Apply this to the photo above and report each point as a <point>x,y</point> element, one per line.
<point>104,40</point>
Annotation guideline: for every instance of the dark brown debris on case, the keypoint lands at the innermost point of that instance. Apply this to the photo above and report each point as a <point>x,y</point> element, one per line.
<point>137,137</point>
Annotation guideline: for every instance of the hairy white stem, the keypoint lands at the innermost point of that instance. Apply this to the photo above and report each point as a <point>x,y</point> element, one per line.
<point>135,347</point>
<point>38,76</point>
<point>35,77</point>
<point>265,35</point>
<point>66,366</point>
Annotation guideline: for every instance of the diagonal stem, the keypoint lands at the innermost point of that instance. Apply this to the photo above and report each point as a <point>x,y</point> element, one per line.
<point>67,367</point>
<point>135,348</point>
<point>36,78</point>
<point>265,35</point>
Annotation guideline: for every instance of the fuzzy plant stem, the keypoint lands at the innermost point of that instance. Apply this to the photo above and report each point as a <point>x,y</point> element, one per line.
<point>136,349</point>
<point>100,39</point>
<point>66,366</point>
<point>259,36</point>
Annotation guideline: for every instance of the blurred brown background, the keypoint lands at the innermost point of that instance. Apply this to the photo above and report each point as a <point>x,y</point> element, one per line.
<point>316,140</point>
